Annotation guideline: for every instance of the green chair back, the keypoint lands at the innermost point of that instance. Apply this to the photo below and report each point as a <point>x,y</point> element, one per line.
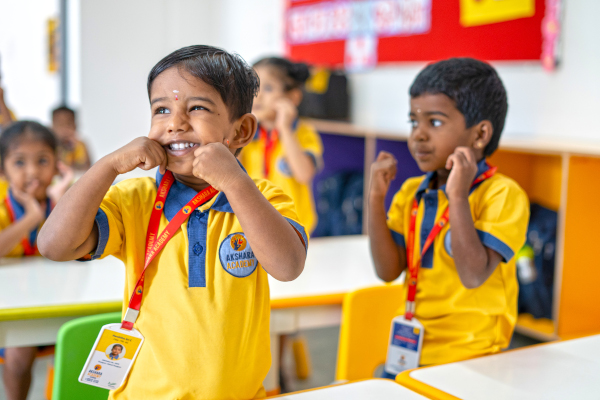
<point>73,346</point>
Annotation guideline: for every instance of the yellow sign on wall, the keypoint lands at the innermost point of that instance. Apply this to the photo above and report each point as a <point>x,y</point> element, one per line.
<point>483,12</point>
<point>53,44</point>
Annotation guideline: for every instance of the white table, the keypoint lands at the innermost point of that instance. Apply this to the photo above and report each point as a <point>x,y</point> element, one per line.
<point>559,370</point>
<point>380,389</point>
<point>37,296</point>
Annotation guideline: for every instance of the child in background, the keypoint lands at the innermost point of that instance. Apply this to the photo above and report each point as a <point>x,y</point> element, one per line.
<point>205,299</point>
<point>71,150</point>
<point>28,153</point>
<point>285,150</point>
<point>6,118</point>
<point>467,286</point>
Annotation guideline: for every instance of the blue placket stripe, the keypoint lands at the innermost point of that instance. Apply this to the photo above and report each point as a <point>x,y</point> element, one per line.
<point>430,201</point>
<point>197,232</point>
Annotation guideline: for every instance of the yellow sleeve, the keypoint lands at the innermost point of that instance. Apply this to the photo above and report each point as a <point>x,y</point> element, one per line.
<point>396,214</point>
<point>110,225</point>
<point>4,217</point>
<point>284,204</point>
<point>502,216</point>
<point>310,140</point>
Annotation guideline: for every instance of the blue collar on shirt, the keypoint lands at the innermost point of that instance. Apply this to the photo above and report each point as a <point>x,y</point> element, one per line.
<point>19,211</point>
<point>180,195</point>
<point>482,166</point>
<point>294,127</point>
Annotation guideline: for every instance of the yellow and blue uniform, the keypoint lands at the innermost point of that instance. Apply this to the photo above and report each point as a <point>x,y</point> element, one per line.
<point>3,182</point>
<point>279,172</point>
<point>206,306</point>
<point>74,156</point>
<point>461,323</point>
<point>19,211</point>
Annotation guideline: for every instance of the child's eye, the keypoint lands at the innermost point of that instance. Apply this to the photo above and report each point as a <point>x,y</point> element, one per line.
<point>436,123</point>
<point>199,108</point>
<point>162,110</point>
<point>43,161</point>
<point>20,163</point>
<point>267,88</point>
<point>413,123</point>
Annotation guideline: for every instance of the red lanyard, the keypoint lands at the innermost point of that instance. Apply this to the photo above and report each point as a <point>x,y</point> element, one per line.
<point>28,248</point>
<point>155,243</point>
<point>270,141</point>
<point>415,265</point>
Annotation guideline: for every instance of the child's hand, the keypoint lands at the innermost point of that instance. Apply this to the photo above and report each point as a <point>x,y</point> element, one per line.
<point>56,191</point>
<point>215,164</point>
<point>463,168</point>
<point>141,153</point>
<point>286,113</point>
<point>383,172</point>
<point>33,209</point>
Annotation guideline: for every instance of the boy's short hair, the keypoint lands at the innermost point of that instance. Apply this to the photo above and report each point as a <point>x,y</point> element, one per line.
<point>229,74</point>
<point>117,345</point>
<point>475,88</point>
<point>22,129</point>
<point>63,108</point>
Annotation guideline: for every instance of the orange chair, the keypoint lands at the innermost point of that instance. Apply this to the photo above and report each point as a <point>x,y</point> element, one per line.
<point>366,319</point>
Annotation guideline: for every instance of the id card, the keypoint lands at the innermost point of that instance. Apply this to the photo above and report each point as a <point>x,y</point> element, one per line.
<point>111,357</point>
<point>404,348</point>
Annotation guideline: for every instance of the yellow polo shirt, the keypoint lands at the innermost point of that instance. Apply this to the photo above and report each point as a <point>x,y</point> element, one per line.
<point>252,158</point>
<point>206,306</point>
<point>461,323</point>
<point>75,157</point>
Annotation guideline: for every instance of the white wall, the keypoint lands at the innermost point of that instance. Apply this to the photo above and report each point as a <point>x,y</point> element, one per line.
<point>121,41</point>
<point>30,90</point>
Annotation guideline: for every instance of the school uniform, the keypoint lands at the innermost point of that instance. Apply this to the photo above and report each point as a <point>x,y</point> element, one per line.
<point>74,156</point>
<point>264,157</point>
<point>11,211</point>
<point>205,309</point>
<point>461,323</point>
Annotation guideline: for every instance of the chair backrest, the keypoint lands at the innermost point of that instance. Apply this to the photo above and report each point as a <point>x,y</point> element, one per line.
<point>366,320</point>
<point>73,346</point>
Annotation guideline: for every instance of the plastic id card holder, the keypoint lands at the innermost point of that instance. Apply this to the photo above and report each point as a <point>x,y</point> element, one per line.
<point>406,342</point>
<point>111,357</point>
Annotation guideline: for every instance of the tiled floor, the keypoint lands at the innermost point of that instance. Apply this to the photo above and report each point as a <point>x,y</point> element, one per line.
<point>322,344</point>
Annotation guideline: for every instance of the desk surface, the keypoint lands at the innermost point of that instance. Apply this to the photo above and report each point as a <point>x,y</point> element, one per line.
<point>380,389</point>
<point>334,266</point>
<point>559,370</point>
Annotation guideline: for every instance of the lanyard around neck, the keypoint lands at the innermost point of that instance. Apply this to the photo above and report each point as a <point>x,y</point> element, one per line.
<point>270,139</point>
<point>156,242</point>
<point>415,264</point>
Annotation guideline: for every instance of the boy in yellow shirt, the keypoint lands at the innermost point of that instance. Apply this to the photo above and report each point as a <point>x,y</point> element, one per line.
<point>466,285</point>
<point>205,306</point>
<point>71,150</point>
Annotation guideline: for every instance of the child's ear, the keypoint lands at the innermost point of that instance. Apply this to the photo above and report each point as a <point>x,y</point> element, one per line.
<point>245,130</point>
<point>483,133</point>
<point>295,96</point>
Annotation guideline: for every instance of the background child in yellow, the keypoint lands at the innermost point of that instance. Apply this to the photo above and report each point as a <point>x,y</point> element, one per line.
<point>285,150</point>
<point>204,316</point>
<point>467,287</point>
<point>71,150</point>
<point>28,153</point>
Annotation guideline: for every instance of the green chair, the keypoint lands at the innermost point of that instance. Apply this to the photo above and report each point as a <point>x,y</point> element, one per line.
<point>73,346</point>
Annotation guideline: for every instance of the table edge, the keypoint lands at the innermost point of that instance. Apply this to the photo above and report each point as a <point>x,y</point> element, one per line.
<point>424,389</point>
<point>57,311</point>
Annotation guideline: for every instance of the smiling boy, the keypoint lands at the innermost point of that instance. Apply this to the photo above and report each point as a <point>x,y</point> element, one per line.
<point>205,306</point>
<point>466,291</point>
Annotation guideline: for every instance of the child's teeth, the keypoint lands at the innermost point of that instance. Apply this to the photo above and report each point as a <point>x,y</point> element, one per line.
<point>181,146</point>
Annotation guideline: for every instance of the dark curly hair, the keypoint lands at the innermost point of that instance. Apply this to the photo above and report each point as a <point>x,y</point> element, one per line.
<point>229,74</point>
<point>475,88</point>
<point>292,74</point>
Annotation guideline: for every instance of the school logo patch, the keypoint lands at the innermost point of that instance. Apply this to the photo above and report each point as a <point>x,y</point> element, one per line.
<point>98,367</point>
<point>236,255</point>
<point>159,205</point>
<point>448,243</point>
<point>187,209</point>
<point>283,167</point>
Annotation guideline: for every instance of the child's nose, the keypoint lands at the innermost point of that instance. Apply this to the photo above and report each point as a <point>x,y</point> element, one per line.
<point>178,123</point>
